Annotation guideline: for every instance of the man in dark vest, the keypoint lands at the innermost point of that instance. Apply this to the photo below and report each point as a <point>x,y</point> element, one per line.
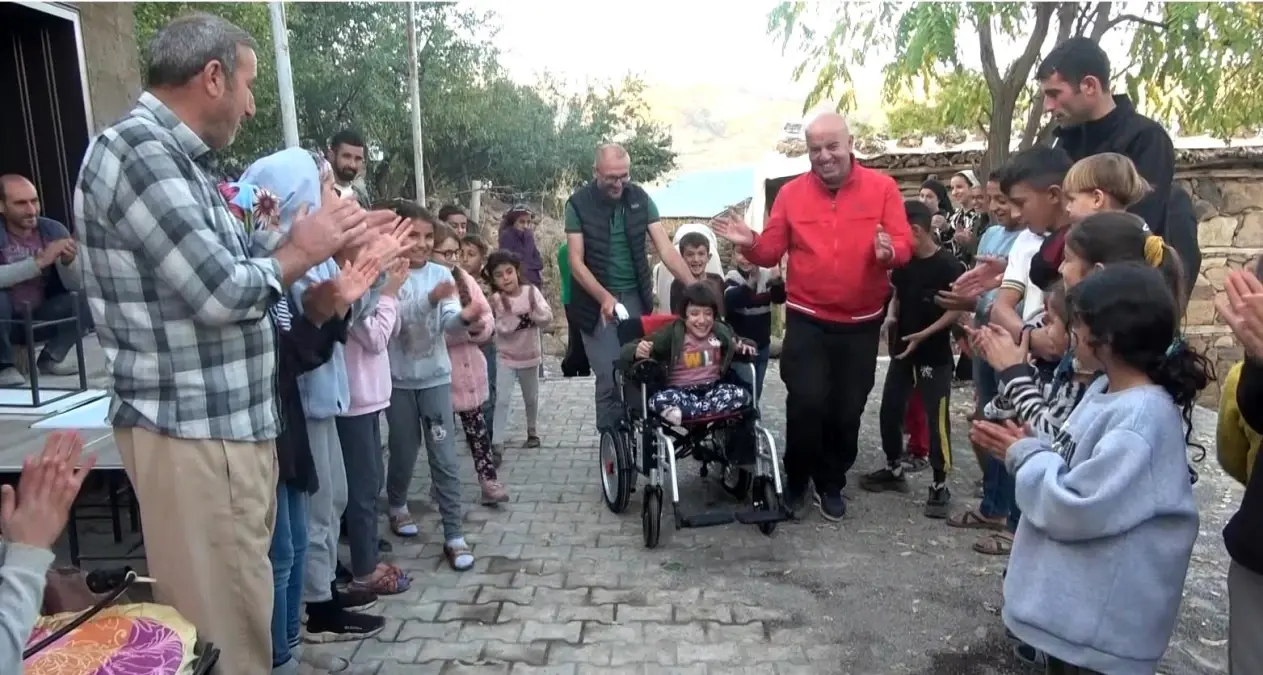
<point>1075,80</point>
<point>608,223</point>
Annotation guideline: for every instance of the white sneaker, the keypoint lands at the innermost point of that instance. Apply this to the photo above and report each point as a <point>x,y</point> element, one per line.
<point>67,366</point>
<point>11,377</point>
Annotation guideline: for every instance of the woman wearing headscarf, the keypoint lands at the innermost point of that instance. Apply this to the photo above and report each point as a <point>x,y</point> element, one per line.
<point>517,234</point>
<point>301,180</point>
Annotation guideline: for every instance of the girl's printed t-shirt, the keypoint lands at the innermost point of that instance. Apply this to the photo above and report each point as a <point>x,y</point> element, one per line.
<point>698,364</point>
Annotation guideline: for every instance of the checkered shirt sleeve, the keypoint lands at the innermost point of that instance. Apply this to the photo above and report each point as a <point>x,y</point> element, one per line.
<point>179,304</point>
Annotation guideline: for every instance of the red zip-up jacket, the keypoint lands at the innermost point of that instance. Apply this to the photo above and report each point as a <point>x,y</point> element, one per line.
<point>833,272</point>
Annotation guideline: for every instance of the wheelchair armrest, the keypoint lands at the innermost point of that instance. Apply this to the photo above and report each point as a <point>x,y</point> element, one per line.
<point>740,357</point>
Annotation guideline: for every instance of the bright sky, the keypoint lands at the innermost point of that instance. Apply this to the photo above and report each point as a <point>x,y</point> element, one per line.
<point>675,41</point>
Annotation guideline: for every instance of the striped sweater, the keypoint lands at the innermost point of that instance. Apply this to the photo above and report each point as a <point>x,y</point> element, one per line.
<point>1041,399</point>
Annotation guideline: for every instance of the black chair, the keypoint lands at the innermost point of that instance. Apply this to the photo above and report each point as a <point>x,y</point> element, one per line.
<point>26,331</point>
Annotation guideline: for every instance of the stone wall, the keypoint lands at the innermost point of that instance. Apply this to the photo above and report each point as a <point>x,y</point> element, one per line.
<point>1229,204</point>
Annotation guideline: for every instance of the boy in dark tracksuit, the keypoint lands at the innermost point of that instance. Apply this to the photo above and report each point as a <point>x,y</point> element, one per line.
<point>748,300</point>
<point>921,359</point>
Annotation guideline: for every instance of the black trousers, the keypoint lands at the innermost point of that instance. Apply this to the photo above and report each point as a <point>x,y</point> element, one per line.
<point>828,369</point>
<point>934,385</point>
<point>1058,667</point>
<point>575,364</point>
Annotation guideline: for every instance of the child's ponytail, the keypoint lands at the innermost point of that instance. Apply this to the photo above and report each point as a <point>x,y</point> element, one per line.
<point>1182,372</point>
<point>1160,256</point>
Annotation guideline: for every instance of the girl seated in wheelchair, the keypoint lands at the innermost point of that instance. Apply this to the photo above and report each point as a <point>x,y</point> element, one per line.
<point>697,351</point>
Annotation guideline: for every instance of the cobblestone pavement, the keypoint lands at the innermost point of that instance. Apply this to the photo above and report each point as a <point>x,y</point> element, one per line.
<point>564,586</point>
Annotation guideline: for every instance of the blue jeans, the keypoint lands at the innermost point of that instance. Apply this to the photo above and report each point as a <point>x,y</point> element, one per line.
<point>997,484</point>
<point>760,370</point>
<point>288,555</point>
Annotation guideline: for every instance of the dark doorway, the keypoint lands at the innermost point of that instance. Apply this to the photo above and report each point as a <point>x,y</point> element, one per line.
<point>44,120</point>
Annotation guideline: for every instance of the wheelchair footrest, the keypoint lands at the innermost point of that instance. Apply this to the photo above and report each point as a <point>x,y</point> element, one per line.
<point>761,517</point>
<point>706,519</point>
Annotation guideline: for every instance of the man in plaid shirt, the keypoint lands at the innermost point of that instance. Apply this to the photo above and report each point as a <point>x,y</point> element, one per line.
<point>180,293</point>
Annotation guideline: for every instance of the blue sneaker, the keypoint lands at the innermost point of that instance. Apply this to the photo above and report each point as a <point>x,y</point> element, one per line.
<point>832,505</point>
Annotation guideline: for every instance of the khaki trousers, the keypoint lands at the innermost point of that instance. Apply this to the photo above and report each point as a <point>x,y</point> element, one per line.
<point>207,510</point>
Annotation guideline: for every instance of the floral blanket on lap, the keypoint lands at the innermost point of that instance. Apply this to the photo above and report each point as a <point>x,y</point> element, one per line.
<point>135,639</point>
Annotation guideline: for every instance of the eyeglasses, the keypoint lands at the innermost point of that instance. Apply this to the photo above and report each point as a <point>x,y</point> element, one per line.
<point>448,254</point>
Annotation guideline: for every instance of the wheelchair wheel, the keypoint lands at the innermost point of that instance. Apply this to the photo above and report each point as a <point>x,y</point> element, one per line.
<point>651,516</point>
<point>736,482</point>
<point>766,499</point>
<point>617,471</point>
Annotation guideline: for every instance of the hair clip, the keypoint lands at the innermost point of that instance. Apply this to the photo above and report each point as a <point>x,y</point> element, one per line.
<point>1177,346</point>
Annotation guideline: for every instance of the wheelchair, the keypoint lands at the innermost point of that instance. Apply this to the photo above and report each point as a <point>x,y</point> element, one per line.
<point>646,445</point>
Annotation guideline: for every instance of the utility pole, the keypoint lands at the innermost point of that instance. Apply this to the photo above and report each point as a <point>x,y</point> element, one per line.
<point>284,74</point>
<point>414,82</point>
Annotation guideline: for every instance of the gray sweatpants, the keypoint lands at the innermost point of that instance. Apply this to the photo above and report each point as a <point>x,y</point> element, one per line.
<point>1245,621</point>
<point>603,347</point>
<point>424,416</point>
<point>324,510</point>
<point>506,377</point>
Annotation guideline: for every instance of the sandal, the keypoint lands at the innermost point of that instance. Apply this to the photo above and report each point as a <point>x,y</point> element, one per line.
<point>998,543</point>
<point>459,557</point>
<point>403,525</point>
<point>974,520</point>
<point>387,579</point>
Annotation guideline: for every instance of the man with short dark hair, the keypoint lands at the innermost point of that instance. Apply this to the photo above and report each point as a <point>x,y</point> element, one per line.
<point>180,294</point>
<point>609,221</point>
<point>37,269</point>
<point>346,154</point>
<point>1075,80</point>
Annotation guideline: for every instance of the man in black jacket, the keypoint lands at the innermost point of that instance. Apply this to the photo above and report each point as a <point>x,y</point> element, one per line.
<point>1242,310</point>
<point>608,224</point>
<point>1075,80</point>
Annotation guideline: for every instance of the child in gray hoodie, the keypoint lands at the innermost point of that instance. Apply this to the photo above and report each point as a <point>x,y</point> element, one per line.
<point>1108,513</point>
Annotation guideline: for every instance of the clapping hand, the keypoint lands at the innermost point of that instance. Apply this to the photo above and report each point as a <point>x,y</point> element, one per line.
<point>1242,310</point>
<point>396,275</point>
<point>997,438</point>
<point>338,224</point>
<point>997,346</point>
<point>732,226</point>
<point>355,280</point>
<point>35,514</point>
<point>883,247</point>
<point>988,273</point>
<point>54,251</point>
<point>443,289</point>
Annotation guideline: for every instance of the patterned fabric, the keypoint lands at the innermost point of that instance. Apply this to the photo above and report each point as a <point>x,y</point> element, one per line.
<point>696,402</point>
<point>178,290</point>
<point>257,208</point>
<point>137,639</point>
<point>479,438</point>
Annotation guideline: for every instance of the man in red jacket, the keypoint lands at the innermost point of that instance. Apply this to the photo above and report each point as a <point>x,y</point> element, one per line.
<point>845,228</point>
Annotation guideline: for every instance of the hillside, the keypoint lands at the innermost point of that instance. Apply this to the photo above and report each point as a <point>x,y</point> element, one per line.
<point>718,126</point>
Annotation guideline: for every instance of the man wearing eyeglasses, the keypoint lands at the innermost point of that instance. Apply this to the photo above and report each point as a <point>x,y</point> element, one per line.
<point>608,223</point>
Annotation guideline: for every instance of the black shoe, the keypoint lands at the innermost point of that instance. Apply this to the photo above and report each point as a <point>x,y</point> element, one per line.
<point>936,505</point>
<point>355,601</point>
<point>889,479</point>
<point>341,625</point>
<point>795,501</point>
<point>831,504</point>
<point>342,576</point>
<point>384,546</point>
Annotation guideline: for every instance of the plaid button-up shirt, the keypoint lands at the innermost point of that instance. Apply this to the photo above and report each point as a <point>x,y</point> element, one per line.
<point>178,289</point>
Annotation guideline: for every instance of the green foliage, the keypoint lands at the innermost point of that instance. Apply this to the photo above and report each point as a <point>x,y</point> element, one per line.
<point>350,67</point>
<point>1192,61</point>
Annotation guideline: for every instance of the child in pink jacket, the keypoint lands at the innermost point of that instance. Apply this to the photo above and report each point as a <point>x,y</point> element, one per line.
<point>359,432</point>
<point>469,366</point>
<point>520,310</point>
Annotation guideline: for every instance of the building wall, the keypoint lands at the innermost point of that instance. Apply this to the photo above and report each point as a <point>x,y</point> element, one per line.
<point>113,61</point>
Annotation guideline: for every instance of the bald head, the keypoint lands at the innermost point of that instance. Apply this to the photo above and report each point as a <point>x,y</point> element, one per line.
<point>19,201</point>
<point>612,169</point>
<point>829,148</point>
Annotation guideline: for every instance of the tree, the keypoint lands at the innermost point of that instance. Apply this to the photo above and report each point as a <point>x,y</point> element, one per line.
<point>1193,61</point>
<point>350,70</point>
